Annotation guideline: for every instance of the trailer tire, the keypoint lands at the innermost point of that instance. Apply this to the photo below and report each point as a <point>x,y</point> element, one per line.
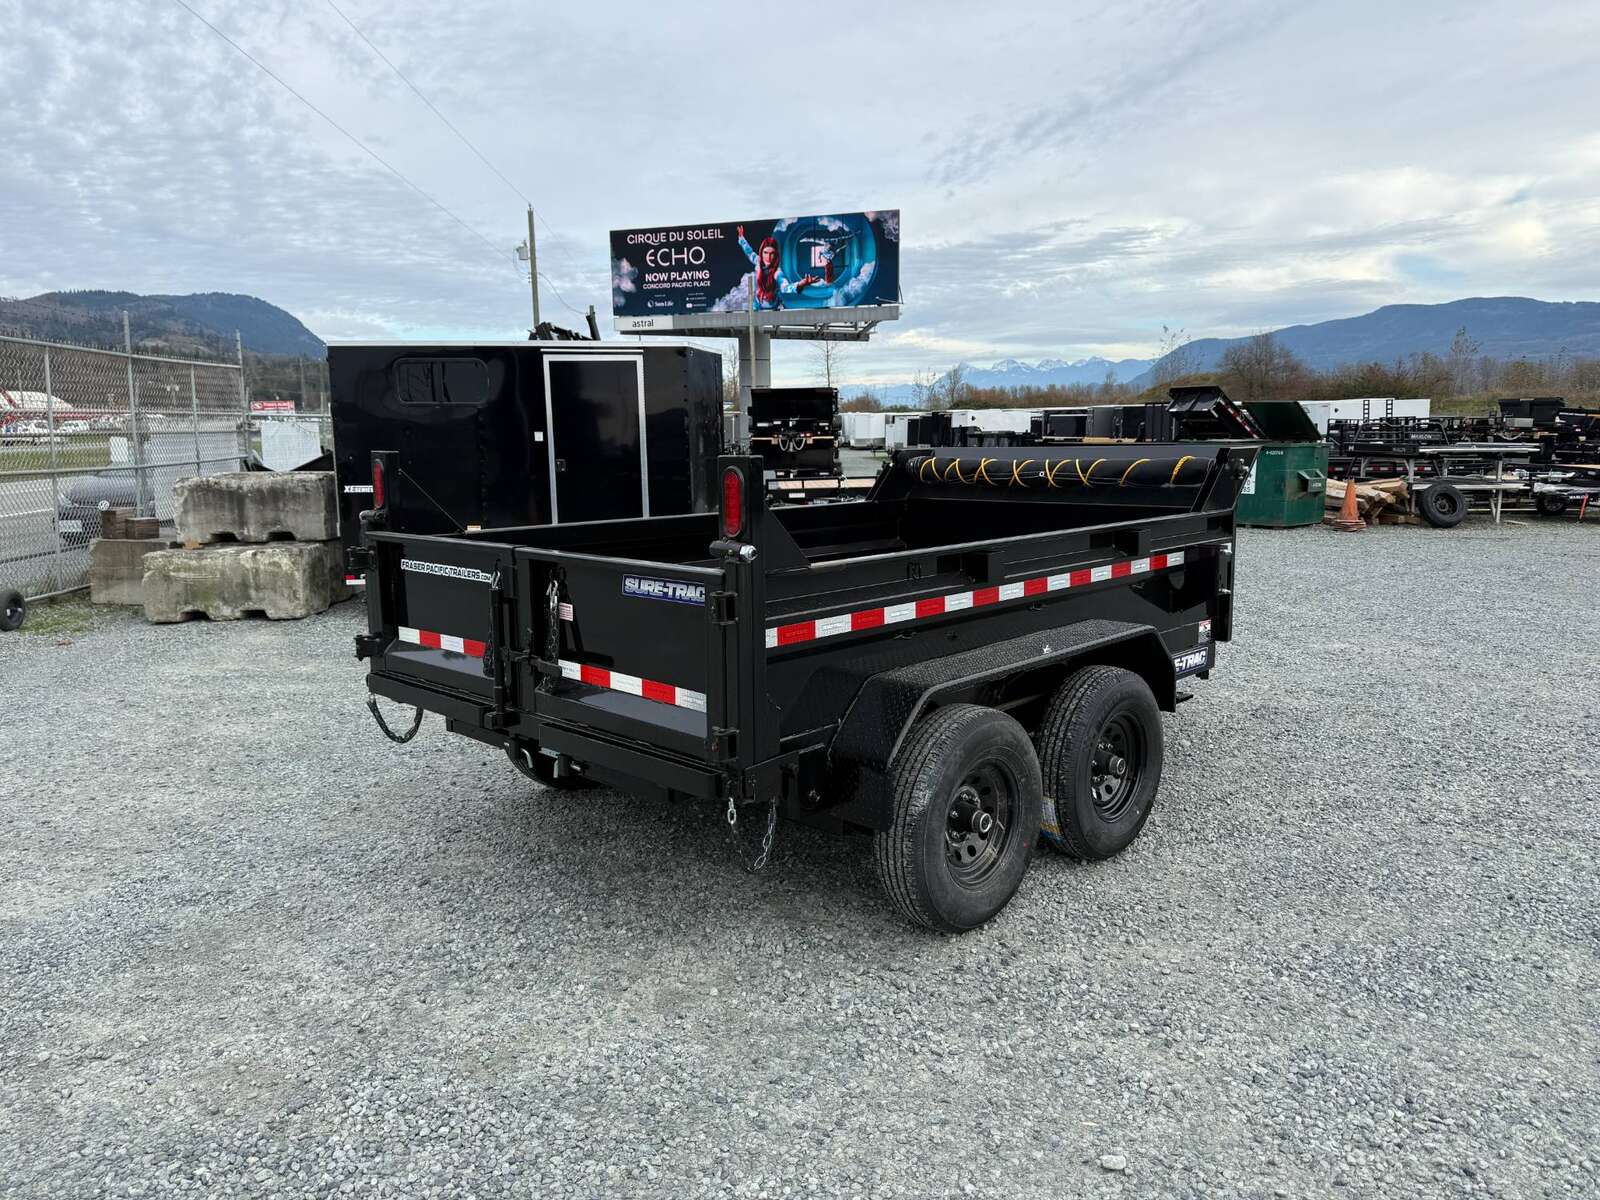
<point>542,769</point>
<point>1101,751</point>
<point>1443,506</point>
<point>966,795</point>
<point>1551,504</point>
<point>13,611</point>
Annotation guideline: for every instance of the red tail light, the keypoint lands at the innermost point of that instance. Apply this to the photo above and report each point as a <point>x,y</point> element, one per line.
<point>377,483</point>
<point>732,502</point>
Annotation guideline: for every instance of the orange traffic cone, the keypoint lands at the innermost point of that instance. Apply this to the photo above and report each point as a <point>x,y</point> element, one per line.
<point>1349,520</point>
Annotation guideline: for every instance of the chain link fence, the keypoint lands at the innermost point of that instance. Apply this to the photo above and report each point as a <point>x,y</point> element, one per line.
<point>85,430</point>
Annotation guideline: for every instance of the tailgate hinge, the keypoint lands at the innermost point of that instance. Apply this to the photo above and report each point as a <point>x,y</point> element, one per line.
<point>724,743</point>
<point>724,608</point>
<point>369,645</point>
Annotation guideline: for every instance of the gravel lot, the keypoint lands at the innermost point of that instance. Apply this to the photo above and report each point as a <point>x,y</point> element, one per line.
<point>251,948</point>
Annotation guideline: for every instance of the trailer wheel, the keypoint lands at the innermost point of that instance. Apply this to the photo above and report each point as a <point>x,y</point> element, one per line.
<point>541,769</point>
<point>1443,506</point>
<point>966,806</point>
<point>13,611</point>
<point>1100,749</point>
<point>1551,504</point>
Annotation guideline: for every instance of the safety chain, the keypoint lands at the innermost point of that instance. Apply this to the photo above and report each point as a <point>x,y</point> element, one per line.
<point>401,738</point>
<point>552,636</point>
<point>750,865</point>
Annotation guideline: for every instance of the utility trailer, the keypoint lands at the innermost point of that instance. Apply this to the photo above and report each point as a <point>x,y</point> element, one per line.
<point>977,653</point>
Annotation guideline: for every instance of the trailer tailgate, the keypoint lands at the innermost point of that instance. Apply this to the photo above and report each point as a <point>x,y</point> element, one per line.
<point>439,599</point>
<point>626,647</point>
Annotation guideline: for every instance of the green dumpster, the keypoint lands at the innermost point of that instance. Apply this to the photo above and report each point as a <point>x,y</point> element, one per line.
<point>1290,475</point>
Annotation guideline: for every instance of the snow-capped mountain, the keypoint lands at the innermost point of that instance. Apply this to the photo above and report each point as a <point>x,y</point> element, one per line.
<point>1011,372</point>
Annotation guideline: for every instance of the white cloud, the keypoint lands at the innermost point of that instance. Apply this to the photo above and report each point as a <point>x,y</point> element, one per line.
<point>1075,175</point>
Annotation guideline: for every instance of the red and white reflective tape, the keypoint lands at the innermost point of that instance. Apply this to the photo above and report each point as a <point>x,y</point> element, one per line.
<point>355,581</point>
<point>938,606</point>
<point>442,641</point>
<point>663,693</point>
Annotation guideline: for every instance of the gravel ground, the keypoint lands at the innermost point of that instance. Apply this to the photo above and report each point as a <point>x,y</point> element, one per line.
<point>251,948</point>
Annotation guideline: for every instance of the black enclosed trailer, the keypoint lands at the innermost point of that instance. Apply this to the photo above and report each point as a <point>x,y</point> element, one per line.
<point>977,652</point>
<point>490,434</point>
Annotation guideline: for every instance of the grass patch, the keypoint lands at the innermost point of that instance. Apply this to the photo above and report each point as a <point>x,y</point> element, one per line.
<point>67,616</point>
<point>74,455</point>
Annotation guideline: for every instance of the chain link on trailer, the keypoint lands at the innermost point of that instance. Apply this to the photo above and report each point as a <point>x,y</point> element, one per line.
<point>399,738</point>
<point>552,636</point>
<point>752,865</point>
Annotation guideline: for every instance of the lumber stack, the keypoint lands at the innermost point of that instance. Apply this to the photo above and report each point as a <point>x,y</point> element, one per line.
<point>1380,501</point>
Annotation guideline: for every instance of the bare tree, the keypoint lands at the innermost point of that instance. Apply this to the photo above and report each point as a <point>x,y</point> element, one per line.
<point>1462,360</point>
<point>1261,368</point>
<point>922,389</point>
<point>1174,357</point>
<point>730,379</point>
<point>828,361</point>
<point>953,390</point>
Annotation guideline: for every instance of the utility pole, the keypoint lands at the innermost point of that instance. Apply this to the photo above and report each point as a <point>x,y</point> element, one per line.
<point>533,271</point>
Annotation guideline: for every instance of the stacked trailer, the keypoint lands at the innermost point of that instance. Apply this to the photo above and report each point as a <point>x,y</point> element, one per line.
<point>978,652</point>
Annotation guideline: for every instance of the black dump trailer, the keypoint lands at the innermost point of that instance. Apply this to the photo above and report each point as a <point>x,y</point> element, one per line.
<point>490,434</point>
<point>795,430</point>
<point>976,654</point>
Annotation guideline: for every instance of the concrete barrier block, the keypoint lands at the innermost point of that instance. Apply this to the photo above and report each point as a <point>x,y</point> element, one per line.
<point>116,569</point>
<point>257,506</point>
<point>280,580</point>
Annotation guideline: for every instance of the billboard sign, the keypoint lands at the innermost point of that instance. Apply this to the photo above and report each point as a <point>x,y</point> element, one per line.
<point>793,264</point>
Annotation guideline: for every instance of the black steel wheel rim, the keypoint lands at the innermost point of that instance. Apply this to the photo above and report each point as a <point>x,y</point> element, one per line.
<point>979,823</point>
<point>1114,769</point>
<point>1445,503</point>
<point>14,609</point>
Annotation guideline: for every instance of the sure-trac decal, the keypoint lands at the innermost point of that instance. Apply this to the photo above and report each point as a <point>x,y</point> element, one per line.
<point>646,588</point>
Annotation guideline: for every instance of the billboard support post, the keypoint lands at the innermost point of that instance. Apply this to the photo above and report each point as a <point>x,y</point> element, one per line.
<point>755,370</point>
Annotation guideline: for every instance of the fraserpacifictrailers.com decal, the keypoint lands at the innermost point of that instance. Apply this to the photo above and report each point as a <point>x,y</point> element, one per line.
<point>645,588</point>
<point>445,570</point>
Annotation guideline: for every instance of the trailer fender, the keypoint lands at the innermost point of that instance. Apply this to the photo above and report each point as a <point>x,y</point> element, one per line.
<point>891,702</point>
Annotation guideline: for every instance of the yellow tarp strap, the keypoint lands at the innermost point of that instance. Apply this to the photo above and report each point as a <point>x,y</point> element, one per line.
<point>1186,458</point>
<point>1016,472</point>
<point>1129,471</point>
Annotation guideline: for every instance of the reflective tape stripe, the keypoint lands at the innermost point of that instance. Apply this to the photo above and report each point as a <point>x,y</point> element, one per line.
<point>937,606</point>
<point>633,685</point>
<point>430,640</point>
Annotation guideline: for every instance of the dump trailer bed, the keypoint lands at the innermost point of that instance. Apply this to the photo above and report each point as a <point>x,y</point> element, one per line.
<point>833,664</point>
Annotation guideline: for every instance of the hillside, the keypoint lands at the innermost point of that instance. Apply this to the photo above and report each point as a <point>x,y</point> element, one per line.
<point>1505,327</point>
<point>201,323</point>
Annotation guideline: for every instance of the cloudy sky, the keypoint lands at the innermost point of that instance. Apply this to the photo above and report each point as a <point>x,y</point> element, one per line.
<point>1071,177</point>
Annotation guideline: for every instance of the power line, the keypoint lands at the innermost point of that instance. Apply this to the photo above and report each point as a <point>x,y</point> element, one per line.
<point>373,154</point>
<point>465,141</point>
<point>433,108</point>
<point>468,143</point>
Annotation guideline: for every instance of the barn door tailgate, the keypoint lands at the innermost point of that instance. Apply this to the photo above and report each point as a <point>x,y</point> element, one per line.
<point>620,646</point>
<point>440,600</point>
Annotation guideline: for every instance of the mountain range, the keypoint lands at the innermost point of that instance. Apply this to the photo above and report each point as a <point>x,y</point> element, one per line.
<point>204,322</point>
<point>1504,327</point>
